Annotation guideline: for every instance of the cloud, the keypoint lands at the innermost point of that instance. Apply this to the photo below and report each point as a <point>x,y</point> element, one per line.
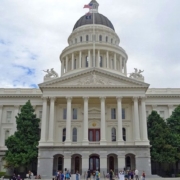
<point>34,33</point>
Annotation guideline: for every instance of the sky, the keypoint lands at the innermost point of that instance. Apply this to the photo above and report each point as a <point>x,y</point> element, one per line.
<point>33,33</point>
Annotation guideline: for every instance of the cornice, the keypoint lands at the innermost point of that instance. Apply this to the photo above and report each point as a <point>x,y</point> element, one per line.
<point>20,96</point>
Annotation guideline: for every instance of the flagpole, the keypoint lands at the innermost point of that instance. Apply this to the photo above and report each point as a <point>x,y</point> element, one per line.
<point>94,40</point>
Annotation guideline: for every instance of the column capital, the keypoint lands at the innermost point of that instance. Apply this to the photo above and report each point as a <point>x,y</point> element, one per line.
<point>170,106</point>
<point>52,98</point>
<point>69,98</point>
<point>135,98</point>
<point>142,98</point>
<point>85,97</point>
<point>102,97</point>
<point>119,98</point>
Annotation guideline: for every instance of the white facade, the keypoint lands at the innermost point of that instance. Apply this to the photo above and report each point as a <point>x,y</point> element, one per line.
<point>93,116</point>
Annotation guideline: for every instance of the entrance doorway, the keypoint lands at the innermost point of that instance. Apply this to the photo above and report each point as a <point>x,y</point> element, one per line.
<point>111,163</point>
<point>94,134</point>
<point>94,163</point>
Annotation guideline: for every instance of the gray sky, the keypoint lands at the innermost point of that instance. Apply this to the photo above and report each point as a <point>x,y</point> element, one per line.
<point>34,32</point>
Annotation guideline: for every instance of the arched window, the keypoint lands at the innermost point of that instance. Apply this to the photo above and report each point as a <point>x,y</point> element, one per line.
<point>60,163</point>
<point>64,135</point>
<point>87,38</point>
<point>113,134</point>
<point>111,41</point>
<point>101,62</point>
<point>112,63</point>
<point>81,39</point>
<point>74,138</point>
<point>87,61</point>
<point>106,39</point>
<point>124,134</point>
<point>128,162</point>
<point>100,38</point>
<point>76,40</point>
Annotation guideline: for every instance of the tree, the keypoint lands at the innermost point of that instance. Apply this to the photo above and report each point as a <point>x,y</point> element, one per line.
<point>174,124</point>
<point>22,146</point>
<point>159,135</point>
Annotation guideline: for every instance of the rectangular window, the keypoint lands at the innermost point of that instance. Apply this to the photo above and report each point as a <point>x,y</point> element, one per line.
<point>161,113</point>
<point>74,113</point>
<point>40,115</point>
<point>123,114</point>
<point>64,113</point>
<point>113,113</point>
<point>8,116</point>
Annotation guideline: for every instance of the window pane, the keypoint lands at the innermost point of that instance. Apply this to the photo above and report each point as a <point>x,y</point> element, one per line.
<point>8,116</point>
<point>124,134</point>
<point>97,135</point>
<point>113,113</point>
<point>113,135</point>
<point>123,113</point>
<point>64,135</point>
<point>90,135</point>
<point>74,135</point>
<point>74,113</point>
<point>64,113</point>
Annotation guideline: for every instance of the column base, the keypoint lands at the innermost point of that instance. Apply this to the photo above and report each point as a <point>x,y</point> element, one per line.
<point>103,142</point>
<point>85,142</point>
<point>120,142</point>
<point>139,142</point>
<point>67,143</point>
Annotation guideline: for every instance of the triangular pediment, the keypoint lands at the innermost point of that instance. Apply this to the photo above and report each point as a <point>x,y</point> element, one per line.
<point>94,111</point>
<point>93,77</point>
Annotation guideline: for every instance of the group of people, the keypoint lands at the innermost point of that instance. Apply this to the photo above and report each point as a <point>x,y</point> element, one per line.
<point>95,174</point>
<point>29,175</point>
<point>131,175</point>
<point>66,175</point>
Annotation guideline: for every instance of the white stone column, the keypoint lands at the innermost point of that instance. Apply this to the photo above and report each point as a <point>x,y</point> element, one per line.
<point>67,161</point>
<point>107,59</point>
<point>103,122</point>
<point>170,108</point>
<point>120,63</point>
<point>98,57</point>
<point>51,120</point>
<point>44,121</point>
<point>89,57</point>
<point>119,118</point>
<point>125,67</point>
<point>62,67</point>
<point>121,161</point>
<point>80,59</point>
<point>136,120</point>
<point>115,62</point>
<point>144,121</point>
<point>72,62</point>
<point>68,122</point>
<point>103,163</point>
<point>1,139</point>
<point>66,63</point>
<point>85,129</point>
<point>16,110</point>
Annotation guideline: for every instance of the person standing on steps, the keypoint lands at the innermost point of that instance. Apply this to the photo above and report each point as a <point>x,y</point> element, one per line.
<point>137,174</point>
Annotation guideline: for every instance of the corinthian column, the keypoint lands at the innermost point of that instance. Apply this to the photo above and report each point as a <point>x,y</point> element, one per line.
<point>119,112</point>
<point>72,64</point>
<point>85,138</point>
<point>80,59</point>
<point>66,63</point>
<point>144,121</point>
<point>51,120</point>
<point>68,122</point>
<point>44,121</point>
<point>89,57</point>
<point>103,122</point>
<point>115,59</point>
<point>107,59</point>
<point>136,119</point>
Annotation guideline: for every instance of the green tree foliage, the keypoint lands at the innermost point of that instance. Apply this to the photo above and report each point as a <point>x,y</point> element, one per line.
<point>174,124</point>
<point>22,146</point>
<point>159,136</point>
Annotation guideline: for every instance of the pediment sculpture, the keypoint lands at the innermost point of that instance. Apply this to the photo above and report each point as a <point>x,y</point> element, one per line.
<point>51,73</point>
<point>94,80</point>
<point>137,74</point>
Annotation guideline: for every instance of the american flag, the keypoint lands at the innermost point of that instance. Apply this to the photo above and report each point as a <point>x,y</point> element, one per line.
<point>88,6</point>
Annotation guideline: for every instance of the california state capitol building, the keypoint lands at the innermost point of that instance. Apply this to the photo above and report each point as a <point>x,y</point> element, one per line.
<point>93,115</point>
